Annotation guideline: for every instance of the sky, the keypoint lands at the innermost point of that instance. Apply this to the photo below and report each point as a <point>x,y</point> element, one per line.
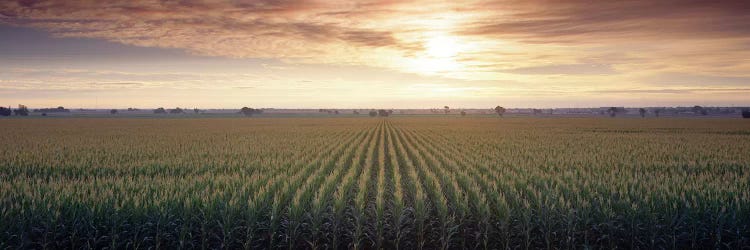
<point>374,54</point>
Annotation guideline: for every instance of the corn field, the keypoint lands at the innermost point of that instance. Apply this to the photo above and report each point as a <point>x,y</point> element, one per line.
<point>374,183</point>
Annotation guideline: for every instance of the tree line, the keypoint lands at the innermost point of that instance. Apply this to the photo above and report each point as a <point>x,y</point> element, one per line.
<point>22,110</point>
<point>697,110</point>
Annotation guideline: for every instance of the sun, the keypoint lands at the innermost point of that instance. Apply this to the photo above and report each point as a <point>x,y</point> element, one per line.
<point>442,47</point>
<point>439,55</point>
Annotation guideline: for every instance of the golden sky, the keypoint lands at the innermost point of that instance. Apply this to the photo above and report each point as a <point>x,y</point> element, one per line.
<point>362,54</point>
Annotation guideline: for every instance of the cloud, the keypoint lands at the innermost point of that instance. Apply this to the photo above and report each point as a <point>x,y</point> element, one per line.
<point>350,32</point>
<point>84,79</point>
<point>638,20</point>
<point>692,79</point>
<point>515,46</point>
<point>673,91</point>
<point>567,69</point>
<point>254,29</point>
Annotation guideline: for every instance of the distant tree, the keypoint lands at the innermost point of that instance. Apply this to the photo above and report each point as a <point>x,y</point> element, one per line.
<point>160,111</point>
<point>59,109</point>
<point>657,111</point>
<point>383,113</point>
<point>390,111</point>
<point>247,111</point>
<point>612,111</point>
<point>335,112</point>
<point>463,113</point>
<point>746,113</point>
<point>196,110</point>
<point>355,112</point>
<point>447,109</point>
<point>21,111</point>
<point>5,111</point>
<point>700,110</point>
<point>176,111</point>
<point>500,111</point>
<point>537,111</point>
<point>44,114</point>
<point>373,113</point>
<point>642,111</point>
<point>113,111</point>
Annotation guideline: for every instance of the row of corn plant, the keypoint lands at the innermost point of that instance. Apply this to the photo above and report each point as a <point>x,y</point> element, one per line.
<point>398,182</point>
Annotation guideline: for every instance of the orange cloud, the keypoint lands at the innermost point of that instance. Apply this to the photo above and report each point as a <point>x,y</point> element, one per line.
<point>513,46</point>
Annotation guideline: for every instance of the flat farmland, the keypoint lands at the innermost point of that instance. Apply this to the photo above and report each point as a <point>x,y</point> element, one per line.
<point>375,183</point>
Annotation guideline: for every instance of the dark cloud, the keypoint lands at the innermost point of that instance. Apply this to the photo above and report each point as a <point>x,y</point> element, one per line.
<point>586,21</point>
<point>267,28</point>
<point>375,39</point>
<point>588,43</point>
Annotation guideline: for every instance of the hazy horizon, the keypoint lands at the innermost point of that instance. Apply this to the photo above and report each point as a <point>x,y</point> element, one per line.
<point>456,109</point>
<point>374,54</point>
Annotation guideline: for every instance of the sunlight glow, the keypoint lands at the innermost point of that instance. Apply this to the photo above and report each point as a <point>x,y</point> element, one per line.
<point>442,47</point>
<point>439,55</point>
<point>431,65</point>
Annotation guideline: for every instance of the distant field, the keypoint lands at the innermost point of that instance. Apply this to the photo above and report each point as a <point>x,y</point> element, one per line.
<point>399,182</point>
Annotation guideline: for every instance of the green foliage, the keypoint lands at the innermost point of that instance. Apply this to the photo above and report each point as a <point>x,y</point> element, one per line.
<point>21,111</point>
<point>250,111</point>
<point>5,111</point>
<point>429,183</point>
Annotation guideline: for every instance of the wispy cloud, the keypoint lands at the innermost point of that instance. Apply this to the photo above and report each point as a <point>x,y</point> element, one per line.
<point>615,21</point>
<point>566,69</point>
<point>265,29</point>
<point>514,46</point>
<point>693,79</point>
<point>673,91</point>
<point>351,31</point>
